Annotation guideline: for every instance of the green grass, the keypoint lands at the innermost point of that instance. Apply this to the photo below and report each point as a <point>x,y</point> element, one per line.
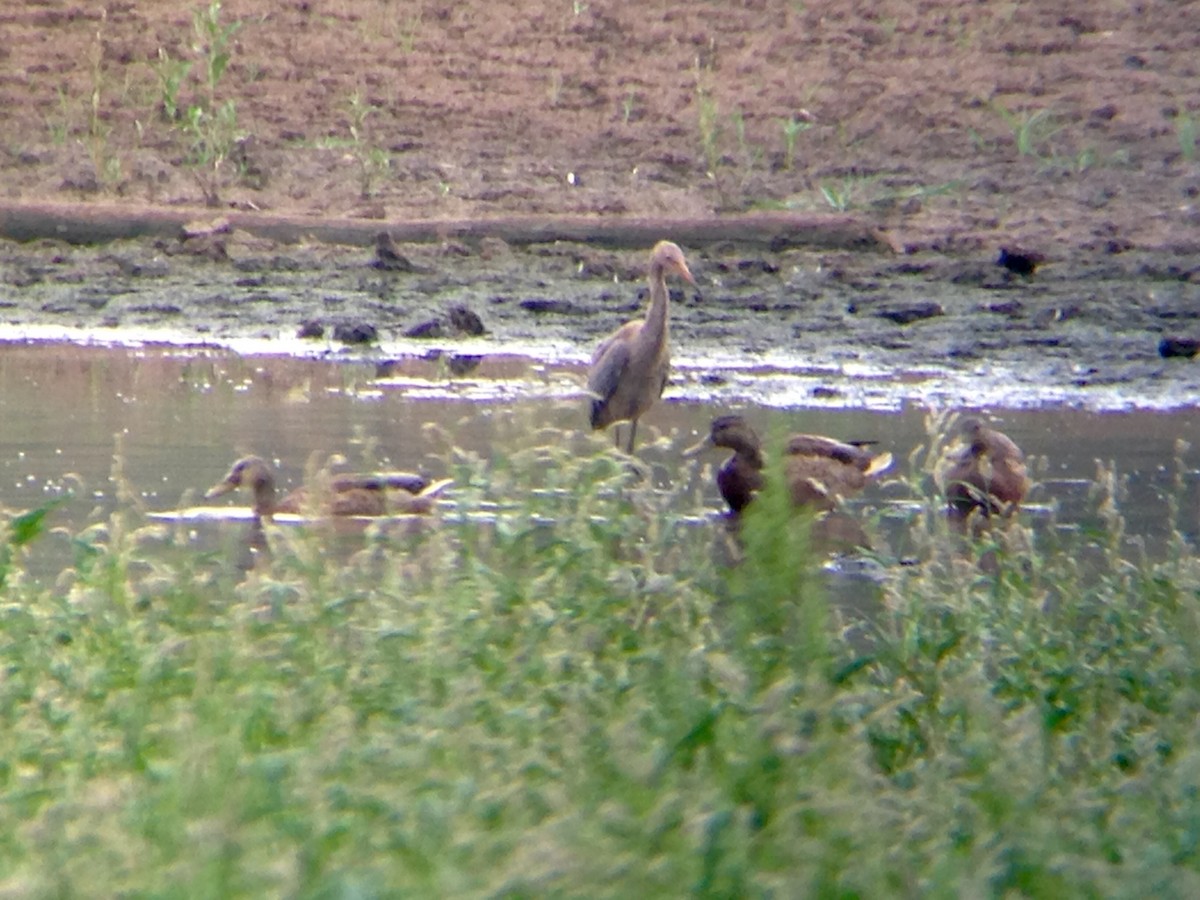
<point>1185,131</point>
<point>171,74</point>
<point>211,126</point>
<point>409,31</point>
<point>1032,130</point>
<point>850,192</point>
<point>574,700</point>
<point>707,118</point>
<point>792,128</point>
<point>373,161</point>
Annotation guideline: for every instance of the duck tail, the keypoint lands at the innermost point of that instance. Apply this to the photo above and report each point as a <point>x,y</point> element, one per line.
<point>879,465</point>
<point>436,488</point>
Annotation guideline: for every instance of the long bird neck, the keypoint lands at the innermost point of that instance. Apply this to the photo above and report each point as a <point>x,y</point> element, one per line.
<point>656,316</point>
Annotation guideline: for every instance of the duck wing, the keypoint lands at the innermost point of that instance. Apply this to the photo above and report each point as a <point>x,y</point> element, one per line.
<point>848,454</point>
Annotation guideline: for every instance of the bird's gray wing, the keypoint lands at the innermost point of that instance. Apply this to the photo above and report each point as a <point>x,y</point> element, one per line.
<point>607,366</point>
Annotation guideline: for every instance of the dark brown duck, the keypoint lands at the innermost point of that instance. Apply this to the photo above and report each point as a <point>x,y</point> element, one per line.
<point>820,471</point>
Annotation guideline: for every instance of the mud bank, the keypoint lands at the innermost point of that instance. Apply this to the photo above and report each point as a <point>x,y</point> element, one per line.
<point>790,325</point>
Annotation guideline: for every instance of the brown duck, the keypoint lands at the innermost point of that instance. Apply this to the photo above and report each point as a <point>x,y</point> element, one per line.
<point>987,473</point>
<point>819,470</point>
<point>629,369</point>
<point>343,495</point>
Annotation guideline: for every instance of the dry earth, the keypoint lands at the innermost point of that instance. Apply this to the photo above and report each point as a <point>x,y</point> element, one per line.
<point>959,125</point>
<point>1067,129</point>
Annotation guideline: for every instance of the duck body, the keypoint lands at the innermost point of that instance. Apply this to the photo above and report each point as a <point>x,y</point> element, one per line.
<point>820,471</point>
<point>738,480</point>
<point>343,495</point>
<point>629,369</point>
<point>986,475</point>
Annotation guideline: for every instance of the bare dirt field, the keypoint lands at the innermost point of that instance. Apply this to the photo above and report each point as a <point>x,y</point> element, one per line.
<point>957,124</point>
<point>951,129</point>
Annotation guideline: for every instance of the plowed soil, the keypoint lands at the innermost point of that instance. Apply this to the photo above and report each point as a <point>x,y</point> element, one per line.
<point>959,124</point>
<point>1068,130</point>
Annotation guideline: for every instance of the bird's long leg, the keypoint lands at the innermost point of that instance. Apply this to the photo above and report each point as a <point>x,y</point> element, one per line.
<point>632,435</point>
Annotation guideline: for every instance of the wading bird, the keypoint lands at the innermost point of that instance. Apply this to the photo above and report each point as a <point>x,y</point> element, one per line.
<point>629,369</point>
<point>342,495</point>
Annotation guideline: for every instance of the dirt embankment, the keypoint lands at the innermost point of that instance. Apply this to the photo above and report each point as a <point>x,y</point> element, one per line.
<point>956,127</point>
<point>935,133</point>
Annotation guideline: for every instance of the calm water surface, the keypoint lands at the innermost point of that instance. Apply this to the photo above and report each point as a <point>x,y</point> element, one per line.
<point>177,418</point>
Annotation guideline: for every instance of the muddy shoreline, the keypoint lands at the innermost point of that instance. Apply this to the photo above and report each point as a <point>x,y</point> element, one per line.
<point>839,327</point>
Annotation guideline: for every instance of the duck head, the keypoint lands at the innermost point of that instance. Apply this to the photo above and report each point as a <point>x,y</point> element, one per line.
<point>251,472</point>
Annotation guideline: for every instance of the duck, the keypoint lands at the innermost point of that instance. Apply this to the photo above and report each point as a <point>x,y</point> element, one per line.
<point>986,474</point>
<point>348,494</point>
<point>628,370</point>
<point>820,471</point>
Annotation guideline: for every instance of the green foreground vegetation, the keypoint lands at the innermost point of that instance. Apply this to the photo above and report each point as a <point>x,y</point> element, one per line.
<point>576,699</point>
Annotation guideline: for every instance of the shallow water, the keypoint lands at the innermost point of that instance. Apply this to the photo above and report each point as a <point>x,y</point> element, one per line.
<point>175,418</point>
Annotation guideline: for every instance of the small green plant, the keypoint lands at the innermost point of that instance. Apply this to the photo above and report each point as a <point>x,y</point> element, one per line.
<point>408,34</point>
<point>111,172</point>
<point>213,136</point>
<point>212,44</point>
<point>839,196</point>
<point>708,112</point>
<point>60,125</point>
<point>978,142</point>
<point>212,128</point>
<point>1185,131</point>
<point>360,110</point>
<point>792,129</point>
<point>106,166</point>
<point>627,106</point>
<point>750,154</point>
<point>373,162</point>
<point>21,530</point>
<point>854,191</point>
<point>1031,130</point>
<point>171,74</point>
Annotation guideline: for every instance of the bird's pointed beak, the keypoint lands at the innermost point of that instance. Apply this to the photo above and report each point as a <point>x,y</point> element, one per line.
<point>699,447</point>
<point>220,488</point>
<point>685,273</point>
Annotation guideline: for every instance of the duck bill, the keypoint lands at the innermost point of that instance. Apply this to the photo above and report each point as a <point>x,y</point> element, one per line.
<point>696,449</point>
<point>219,489</point>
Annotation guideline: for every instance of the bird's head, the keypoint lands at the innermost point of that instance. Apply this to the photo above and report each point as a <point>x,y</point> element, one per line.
<point>731,432</point>
<point>668,257</point>
<point>251,471</point>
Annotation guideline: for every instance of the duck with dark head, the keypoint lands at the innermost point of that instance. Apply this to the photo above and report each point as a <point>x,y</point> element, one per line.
<point>629,369</point>
<point>820,471</point>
